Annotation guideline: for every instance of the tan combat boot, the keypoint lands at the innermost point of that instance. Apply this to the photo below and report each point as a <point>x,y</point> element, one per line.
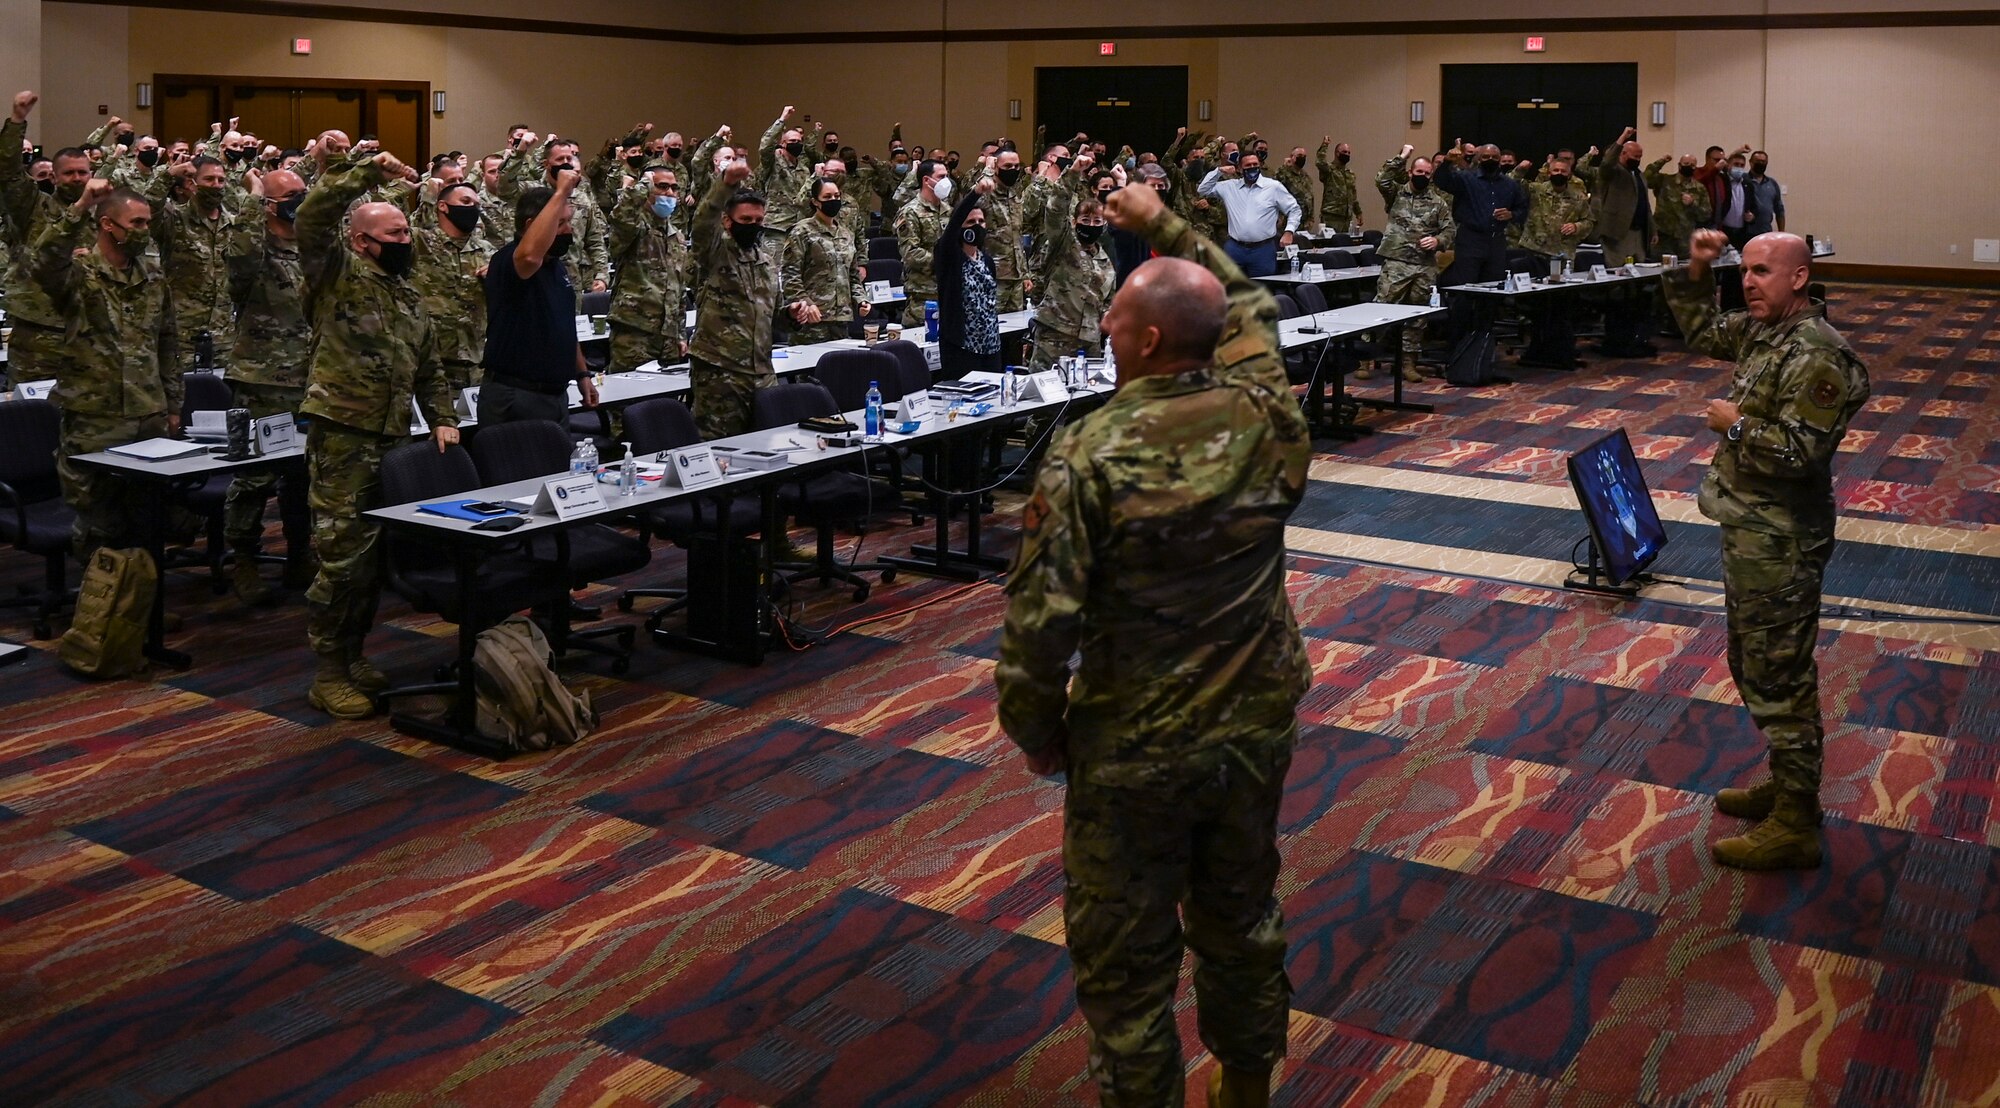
<point>1228,1088</point>
<point>363,672</point>
<point>1365,373</point>
<point>1408,368</point>
<point>334,692</point>
<point>248,583</point>
<point>1754,802</point>
<point>1787,839</point>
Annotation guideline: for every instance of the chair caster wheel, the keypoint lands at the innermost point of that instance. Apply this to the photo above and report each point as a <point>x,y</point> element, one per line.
<point>860,593</point>
<point>625,603</point>
<point>888,576</point>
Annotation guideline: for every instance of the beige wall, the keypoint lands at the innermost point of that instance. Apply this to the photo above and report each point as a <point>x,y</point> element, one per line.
<point>21,53</point>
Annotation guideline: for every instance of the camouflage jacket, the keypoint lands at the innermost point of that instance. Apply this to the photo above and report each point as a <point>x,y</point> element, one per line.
<point>1412,216</point>
<point>652,264</point>
<point>195,253</point>
<point>784,182</point>
<point>1680,204</point>
<point>30,213</point>
<point>374,348</point>
<point>496,217</point>
<point>1004,230</point>
<point>268,286</point>
<point>918,225</point>
<point>1549,208</point>
<point>120,358</point>
<point>1154,546</point>
<point>820,263</point>
<point>1297,183</point>
<point>1798,384</point>
<point>1075,280</point>
<point>1339,202</point>
<point>447,274</point>
<point>737,294</point>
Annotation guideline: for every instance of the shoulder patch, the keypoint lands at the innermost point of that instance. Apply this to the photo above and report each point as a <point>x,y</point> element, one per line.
<point>1825,394</point>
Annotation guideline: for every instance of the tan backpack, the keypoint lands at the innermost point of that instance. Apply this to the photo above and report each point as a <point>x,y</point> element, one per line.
<point>521,701</point>
<point>107,636</point>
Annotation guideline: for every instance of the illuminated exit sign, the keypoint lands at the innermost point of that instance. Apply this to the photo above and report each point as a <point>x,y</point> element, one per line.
<point>302,46</point>
<point>1107,49</point>
<point>1534,44</point>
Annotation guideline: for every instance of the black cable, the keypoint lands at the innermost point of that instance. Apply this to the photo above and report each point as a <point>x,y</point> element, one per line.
<point>1054,422</point>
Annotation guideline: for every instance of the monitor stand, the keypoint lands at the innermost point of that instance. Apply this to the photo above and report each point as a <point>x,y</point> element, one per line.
<point>1593,579</point>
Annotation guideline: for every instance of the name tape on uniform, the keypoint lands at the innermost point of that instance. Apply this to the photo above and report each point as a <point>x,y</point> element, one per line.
<point>569,496</point>
<point>692,467</point>
<point>277,433</point>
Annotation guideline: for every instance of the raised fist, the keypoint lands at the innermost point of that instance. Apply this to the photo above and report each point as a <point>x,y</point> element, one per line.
<point>24,102</point>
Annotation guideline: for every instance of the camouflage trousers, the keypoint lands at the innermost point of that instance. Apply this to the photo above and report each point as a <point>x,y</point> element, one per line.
<point>722,398</point>
<point>243,504</point>
<point>36,353</point>
<point>1772,586</point>
<point>632,347</point>
<point>345,467</point>
<point>1051,344</point>
<point>1142,863</point>
<point>805,334</point>
<point>1404,283</point>
<point>111,509</point>
<point>1013,297</point>
<point>913,308</point>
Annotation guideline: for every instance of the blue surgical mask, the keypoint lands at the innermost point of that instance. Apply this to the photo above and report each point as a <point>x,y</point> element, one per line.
<point>663,206</point>
<point>1737,172</point>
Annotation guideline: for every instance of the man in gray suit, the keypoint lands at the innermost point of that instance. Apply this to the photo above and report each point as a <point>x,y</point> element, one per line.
<point>1625,226</point>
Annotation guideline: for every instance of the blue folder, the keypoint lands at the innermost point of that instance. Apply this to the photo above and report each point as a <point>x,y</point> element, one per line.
<point>455,509</point>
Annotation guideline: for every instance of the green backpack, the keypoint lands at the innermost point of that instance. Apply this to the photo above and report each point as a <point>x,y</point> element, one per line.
<point>107,636</point>
<point>521,701</point>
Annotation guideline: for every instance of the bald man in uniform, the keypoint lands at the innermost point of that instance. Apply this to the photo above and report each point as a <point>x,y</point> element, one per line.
<point>1154,547</point>
<point>1771,488</point>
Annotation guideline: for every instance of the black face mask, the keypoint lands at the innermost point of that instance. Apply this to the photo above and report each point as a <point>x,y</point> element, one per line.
<point>1687,171</point>
<point>48,186</point>
<point>1010,177</point>
<point>465,217</point>
<point>1342,158</point>
<point>288,208</point>
<point>1419,184</point>
<point>1489,166</point>
<point>975,235</point>
<point>636,161</point>
<point>1087,233</point>
<point>555,170</point>
<point>238,155</point>
<point>1559,179</point>
<point>560,244</point>
<point>674,152</point>
<point>1063,163</point>
<point>830,208</point>
<point>832,145</point>
<point>951,163</point>
<point>125,138</point>
<point>1235,156</point>
<point>746,235</point>
<point>1103,195</point>
<point>1757,169</point>
<point>795,148</point>
<point>148,158</point>
<point>395,258</point>
<point>1299,162</point>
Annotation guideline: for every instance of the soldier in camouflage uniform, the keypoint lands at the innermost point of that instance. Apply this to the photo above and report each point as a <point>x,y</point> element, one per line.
<point>267,373</point>
<point>194,247</point>
<point>497,214</point>
<point>1420,225</point>
<point>591,257</point>
<point>37,349</point>
<point>450,277</point>
<point>1339,202</point>
<point>1003,207</point>
<point>1291,173</point>
<point>374,350</point>
<point>1797,385</point>
<point>1076,278</point>
<point>918,225</point>
<point>1680,205</point>
<point>1153,547</point>
<point>853,217</point>
<point>822,276</point>
<point>651,263</point>
<point>120,381</point>
<point>737,263</point>
<point>1559,213</point>
<point>785,173</point>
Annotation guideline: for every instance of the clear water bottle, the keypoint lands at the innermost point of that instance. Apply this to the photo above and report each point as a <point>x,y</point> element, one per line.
<point>579,459</point>
<point>871,419</point>
<point>1294,252</point>
<point>1354,228</point>
<point>628,474</point>
<point>590,458</point>
<point>1008,389</point>
<point>1110,362</point>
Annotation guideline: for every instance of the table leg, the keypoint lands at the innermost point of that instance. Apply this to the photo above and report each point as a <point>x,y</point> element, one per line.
<point>938,559</point>
<point>156,620</point>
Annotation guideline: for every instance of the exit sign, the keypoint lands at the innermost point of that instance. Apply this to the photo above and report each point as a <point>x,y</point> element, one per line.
<point>1106,49</point>
<point>302,46</point>
<point>1534,44</point>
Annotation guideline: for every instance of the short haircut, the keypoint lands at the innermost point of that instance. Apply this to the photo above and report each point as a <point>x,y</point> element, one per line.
<point>744,196</point>
<point>291,152</point>
<point>517,127</point>
<point>118,200</point>
<point>529,205</point>
<point>1091,206</point>
<point>203,161</point>
<point>69,152</point>
<point>455,185</point>
<point>1713,150</point>
<point>925,167</point>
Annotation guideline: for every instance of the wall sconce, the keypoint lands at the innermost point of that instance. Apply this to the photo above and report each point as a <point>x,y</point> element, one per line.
<point>145,98</point>
<point>1013,109</point>
<point>1205,110</point>
<point>437,101</point>
<point>1659,113</point>
<point>1416,112</point>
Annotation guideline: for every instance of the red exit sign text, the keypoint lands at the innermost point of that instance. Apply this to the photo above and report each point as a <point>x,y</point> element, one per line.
<point>1107,49</point>
<point>1534,44</point>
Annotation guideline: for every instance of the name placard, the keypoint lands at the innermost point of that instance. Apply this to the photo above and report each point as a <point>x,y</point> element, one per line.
<point>691,467</point>
<point>277,433</point>
<point>468,402</point>
<point>878,291</point>
<point>418,424</point>
<point>1045,385</point>
<point>916,405</point>
<point>569,496</point>
<point>1313,271</point>
<point>1597,273</point>
<point>34,390</point>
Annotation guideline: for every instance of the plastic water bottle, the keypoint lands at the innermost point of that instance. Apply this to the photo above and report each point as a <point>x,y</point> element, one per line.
<point>1110,362</point>
<point>628,474</point>
<point>1008,389</point>
<point>1295,259</point>
<point>1354,228</point>
<point>871,419</point>
<point>579,459</point>
<point>930,321</point>
<point>590,458</point>
<point>1435,303</point>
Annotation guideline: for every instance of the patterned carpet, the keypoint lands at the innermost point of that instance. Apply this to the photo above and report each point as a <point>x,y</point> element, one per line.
<point>829,881</point>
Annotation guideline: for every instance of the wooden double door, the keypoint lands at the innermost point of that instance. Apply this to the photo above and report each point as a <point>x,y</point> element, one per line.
<point>289,113</point>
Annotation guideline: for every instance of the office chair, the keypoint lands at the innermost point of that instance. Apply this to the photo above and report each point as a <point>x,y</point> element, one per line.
<point>33,517</point>
<point>822,500</point>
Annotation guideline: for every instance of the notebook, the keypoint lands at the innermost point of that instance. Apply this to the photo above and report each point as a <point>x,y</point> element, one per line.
<point>158,450</point>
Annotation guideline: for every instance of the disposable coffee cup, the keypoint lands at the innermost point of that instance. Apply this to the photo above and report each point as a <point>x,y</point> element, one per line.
<point>1670,260</point>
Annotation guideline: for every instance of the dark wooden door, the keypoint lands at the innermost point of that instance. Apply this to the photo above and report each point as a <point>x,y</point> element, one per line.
<point>1536,108</point>
<point>1140,105</point>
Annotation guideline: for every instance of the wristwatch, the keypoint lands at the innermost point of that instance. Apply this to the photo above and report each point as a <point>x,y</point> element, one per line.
<point>1736,429</point>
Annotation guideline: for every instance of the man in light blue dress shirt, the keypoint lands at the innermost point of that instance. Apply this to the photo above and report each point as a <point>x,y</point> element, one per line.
<point>1262,213</point>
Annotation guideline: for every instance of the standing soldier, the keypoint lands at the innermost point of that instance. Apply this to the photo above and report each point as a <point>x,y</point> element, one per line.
<point>497,214</point>
<point>1682,202</point>
<point>1292,175</point>
<point>649,291</point>
<point>120,382</point>
<point>194,249</point>
<point>730,357</point>
<point>918,225</point>
<point>1420,226</point>
<point>450,277</point>
<point>1339,201</point>
<point>593,262</point>
<point>1559,213</point>
<point>1077,273</point>
<point>785,172</point>
<point>821,274</point>
<point>37,349</point>
<point>374,350</point>
<point>1004,229</point>
<point>1797,385</point>
<point>1153,548</point>
<point>267,373</point>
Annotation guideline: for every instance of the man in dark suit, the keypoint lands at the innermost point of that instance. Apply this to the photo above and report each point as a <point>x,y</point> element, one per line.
<point>1625,226</point>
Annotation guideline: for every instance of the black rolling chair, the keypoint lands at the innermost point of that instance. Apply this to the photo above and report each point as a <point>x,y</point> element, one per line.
<point>426,576</point>
<point>1288,306</point>
<point>1341,259</point>
<point>1372,237</point>
<point>913,372</point>
<point>882,249</point>
<point>846,374</point>
<point>824,499</point>
<point>33,517</point>
<point>538,448</point>
<point>654,426</point>
<point>890,270</point>
<point>596,303</point>
<point>206,392</point>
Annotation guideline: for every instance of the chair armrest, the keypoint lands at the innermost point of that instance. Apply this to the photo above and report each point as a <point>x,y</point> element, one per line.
<point>10,498</point>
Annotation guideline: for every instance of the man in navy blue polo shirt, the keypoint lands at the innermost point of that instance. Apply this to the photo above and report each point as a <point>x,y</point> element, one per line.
<point>531,350</point>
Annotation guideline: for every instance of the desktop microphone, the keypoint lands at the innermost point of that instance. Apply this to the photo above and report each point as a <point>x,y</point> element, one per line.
<point>1315,328</point>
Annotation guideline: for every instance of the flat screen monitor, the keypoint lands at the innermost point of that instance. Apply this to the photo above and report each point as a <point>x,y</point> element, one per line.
<point>1612,490</point>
